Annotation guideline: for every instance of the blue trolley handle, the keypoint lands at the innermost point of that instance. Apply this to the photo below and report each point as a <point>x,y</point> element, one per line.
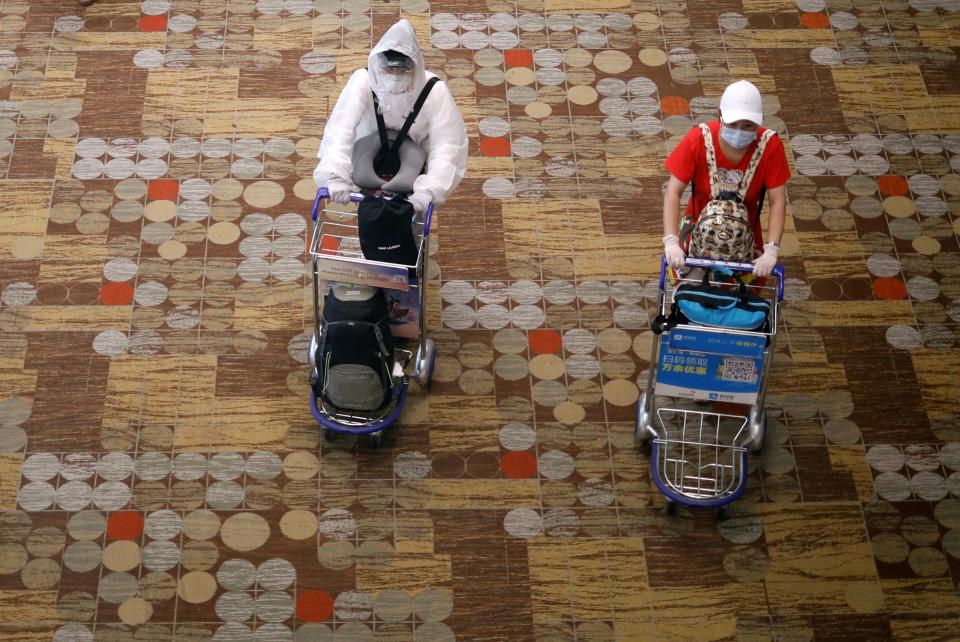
<point>323,194</point>
<point>356,197</point>
<point>713,264</point>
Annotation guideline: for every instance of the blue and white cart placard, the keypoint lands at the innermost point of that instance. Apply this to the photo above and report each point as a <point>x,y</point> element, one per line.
<point>710,366</point>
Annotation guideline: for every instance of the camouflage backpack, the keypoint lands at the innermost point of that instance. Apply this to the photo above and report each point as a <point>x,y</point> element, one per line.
<point>723,230</point>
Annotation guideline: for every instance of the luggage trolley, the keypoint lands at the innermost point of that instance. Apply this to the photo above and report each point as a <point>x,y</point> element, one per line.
<point>698,454</point>
<point>336,257</point>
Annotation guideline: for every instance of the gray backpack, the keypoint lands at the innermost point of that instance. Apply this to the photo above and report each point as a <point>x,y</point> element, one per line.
<point>355,355</point>
<point>387,159</point>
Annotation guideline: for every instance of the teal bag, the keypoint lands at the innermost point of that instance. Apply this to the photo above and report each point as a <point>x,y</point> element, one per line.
<point>705,304</point>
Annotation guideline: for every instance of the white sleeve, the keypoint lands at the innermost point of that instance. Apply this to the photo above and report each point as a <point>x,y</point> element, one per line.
<point>447,155</point>
<point>339,133</point>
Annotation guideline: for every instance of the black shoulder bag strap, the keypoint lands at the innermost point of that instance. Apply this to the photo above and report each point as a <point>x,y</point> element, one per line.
<point>381,126</point>
<point>417,106</point>
<point>408,123</point>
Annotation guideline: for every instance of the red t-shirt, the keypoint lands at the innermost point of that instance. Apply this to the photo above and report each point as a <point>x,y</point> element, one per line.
<point>688,162</point>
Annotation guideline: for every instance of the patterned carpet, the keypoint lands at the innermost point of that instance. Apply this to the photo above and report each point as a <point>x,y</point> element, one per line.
<point>161,475</point>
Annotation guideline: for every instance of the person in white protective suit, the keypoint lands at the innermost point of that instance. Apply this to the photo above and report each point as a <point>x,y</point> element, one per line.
<point>395,73</point>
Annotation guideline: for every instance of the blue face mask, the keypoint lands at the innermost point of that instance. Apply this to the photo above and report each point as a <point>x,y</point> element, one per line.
<point>737,138</point>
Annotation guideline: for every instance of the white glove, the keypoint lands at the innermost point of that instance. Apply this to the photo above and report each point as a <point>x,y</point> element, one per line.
<point>675,254</point>
<point>765,263</point>
<point>339,191</point>
<point>420,201</point>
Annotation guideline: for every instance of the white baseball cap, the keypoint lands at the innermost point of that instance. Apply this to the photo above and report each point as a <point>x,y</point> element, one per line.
<point>741,101</point>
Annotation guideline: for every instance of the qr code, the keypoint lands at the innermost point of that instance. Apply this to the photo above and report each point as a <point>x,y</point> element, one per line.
<point>739,370</point>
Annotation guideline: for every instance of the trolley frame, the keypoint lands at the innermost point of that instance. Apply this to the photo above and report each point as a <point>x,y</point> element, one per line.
<point>699,457</point>
<point>335,253</point>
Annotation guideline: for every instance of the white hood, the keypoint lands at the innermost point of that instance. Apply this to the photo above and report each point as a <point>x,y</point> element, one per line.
<point>400,37</point>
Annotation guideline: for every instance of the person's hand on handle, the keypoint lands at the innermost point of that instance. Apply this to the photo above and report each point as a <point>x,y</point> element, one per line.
<point>764,264</point>
<point>675,254</point>
<point>339,191</point>
<point>420,201</point>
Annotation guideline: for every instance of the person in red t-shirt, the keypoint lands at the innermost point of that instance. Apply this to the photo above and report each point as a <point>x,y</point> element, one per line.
<point>735,139</point>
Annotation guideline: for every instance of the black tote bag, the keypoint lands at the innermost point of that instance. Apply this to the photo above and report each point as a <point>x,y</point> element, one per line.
<point>386,230</point>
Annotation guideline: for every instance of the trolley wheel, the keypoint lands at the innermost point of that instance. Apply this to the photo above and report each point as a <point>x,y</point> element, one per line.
<point>640,433</point>
<point>376,439</point>
<point>312,351</point>
<point>428,359</point>
<point>329,435</point>
<point>758,429</point>
<point>671,508</point>
<point>722,514</point>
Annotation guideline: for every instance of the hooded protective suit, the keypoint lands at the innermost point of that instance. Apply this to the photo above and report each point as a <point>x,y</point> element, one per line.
<point>439,128</point>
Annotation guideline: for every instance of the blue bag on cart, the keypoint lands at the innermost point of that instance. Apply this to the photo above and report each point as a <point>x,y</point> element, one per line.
<point>725,307</point>
<point>355,354</point>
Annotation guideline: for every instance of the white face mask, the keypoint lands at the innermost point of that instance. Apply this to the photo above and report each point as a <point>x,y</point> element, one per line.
<point>395,83</point>
<point>738,138</point>
<point>395,92</point>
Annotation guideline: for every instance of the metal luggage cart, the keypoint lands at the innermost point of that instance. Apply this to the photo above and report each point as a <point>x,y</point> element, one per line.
<point>698,453</point>
<point>336,257</point>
